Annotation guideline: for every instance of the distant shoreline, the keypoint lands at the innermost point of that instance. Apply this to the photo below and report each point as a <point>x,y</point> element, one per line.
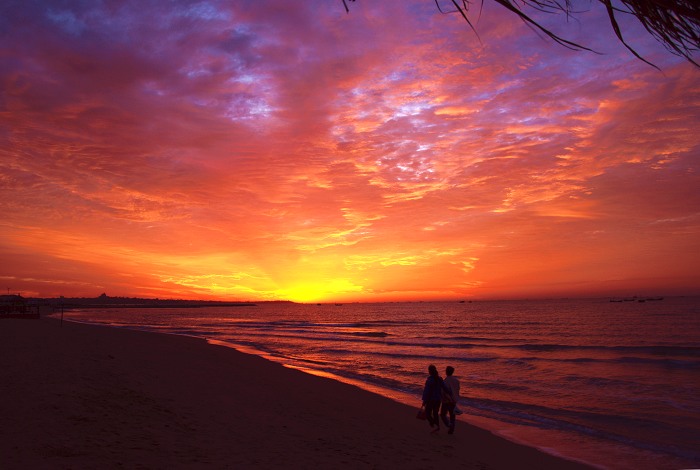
<point>104,301</point>
<point>163,304</point>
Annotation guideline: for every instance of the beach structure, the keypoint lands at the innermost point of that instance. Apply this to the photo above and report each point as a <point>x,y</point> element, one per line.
<point>16,306</point>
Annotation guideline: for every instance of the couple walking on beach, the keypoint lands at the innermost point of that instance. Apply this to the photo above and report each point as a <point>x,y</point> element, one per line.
<point>440,397</point>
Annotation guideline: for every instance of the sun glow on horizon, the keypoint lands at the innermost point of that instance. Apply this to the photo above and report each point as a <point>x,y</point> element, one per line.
<point>318,291</point>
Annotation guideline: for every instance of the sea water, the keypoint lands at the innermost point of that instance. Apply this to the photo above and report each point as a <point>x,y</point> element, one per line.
<point>610,383</point>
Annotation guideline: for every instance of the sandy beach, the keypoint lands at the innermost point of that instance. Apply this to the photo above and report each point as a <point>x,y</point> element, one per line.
<point>82,396</point>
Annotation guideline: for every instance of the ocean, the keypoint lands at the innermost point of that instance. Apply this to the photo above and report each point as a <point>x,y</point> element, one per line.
<point>610,383</point>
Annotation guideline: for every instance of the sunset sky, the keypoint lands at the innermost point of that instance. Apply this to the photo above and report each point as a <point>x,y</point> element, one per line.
<point>261,150</point>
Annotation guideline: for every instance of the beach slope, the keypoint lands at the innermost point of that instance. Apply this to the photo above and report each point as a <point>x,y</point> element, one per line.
<point>84,396</point>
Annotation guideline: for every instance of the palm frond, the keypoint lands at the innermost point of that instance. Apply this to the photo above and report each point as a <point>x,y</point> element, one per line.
<point>674,23</point>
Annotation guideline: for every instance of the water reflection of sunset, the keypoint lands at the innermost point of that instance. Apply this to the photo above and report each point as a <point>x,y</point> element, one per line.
<point>220,151</point>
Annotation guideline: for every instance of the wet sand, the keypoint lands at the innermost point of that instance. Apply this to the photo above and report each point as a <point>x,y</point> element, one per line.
<point>84,396</point>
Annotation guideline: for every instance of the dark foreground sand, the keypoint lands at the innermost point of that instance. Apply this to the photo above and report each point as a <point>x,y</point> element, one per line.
<point>90,397</point>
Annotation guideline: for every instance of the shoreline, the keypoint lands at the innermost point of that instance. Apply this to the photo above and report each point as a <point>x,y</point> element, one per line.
<point>82,396</point>
<point>407,399</point>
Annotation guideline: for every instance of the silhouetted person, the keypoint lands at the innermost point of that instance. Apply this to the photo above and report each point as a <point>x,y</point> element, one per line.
<point>432,397</point>
<point>449,400</point>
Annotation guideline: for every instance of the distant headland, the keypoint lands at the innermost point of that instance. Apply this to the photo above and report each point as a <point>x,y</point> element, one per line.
<point>105,301</point>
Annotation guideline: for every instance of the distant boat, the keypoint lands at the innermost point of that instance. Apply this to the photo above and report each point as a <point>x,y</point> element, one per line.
<point>651,299</point>
<point>338,305</point>
<point>638,299</point>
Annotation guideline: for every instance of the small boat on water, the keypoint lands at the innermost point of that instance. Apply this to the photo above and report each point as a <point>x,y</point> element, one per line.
<point>638,299</point>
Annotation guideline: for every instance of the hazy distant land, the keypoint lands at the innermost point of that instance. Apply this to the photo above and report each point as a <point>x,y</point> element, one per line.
<point>104,301</point>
